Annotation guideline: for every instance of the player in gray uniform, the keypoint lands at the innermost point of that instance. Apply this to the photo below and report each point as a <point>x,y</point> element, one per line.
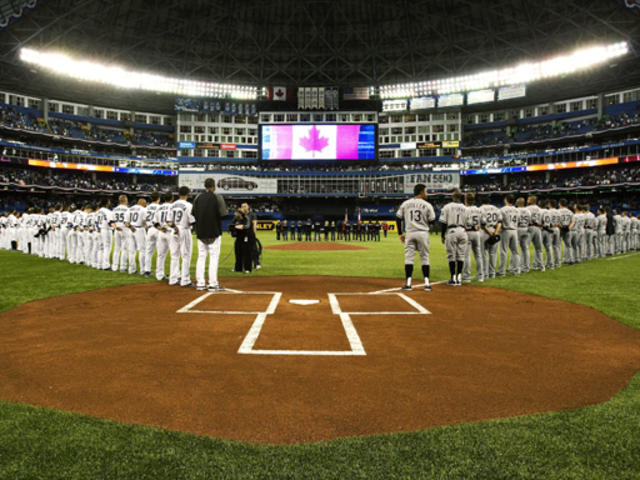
<point>590,232</point>
<point>566,231</point>
<point>556,240</point>
<point>635,231</point>
<point>509,238</point>
<point>416,214</point>
<point>626,232</point>
<point>547,236</point>
<point>492,226</point>
<point>578,234</point>
<point>454,236</point>
<point>137,239</point>
<point>617,219</point>
<point>601,233</point>
<point>524,237</point>
<point>535,232</point>
<point>473,224</point>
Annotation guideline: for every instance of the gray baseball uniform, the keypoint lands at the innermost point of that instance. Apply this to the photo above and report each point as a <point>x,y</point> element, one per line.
<point>535,235</point>
<point>547,237</point>
<point>492,217</point>
<point>566,219</point>
<point>524,237</point>
<point>509,240</point>
<point>453,217</point>
<point>473,223</point>
<point>416,214</point>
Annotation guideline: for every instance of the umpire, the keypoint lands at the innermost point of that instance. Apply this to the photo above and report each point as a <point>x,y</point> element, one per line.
<point>208,210</point>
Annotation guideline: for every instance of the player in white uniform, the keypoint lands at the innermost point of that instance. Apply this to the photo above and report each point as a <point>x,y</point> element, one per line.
<point>416,214</point>
<point>121,234</point>
<point>65,218</point>
<point>547,236</point>
<point>104,221</point>
<point>490,236</point>
<point>181,242</point>
<point>87,234</point>
<point>137,239</point>
<point>601,233</point>
<point>509,238</point>
<point>556,240</point>
<point>626,232</point>
<point>161,222</point>
<point>76,245</point>
<point>474,225</point>
<point>578,234</point>
<point>151,233</point>
<point>454,236</point>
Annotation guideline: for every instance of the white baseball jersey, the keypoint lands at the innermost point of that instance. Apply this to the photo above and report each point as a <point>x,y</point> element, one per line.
<point>590,220</point>
<point>618,223</point>
<point>180,214</point>
<point>121,215</point>
<point>150,212</point>
<point>602,223</point>
<point>556,217</point>
<point>104,217</point>
<point>137,216</point>
<point>90,221</point>
<point>416,213</point>
<point>65,218</point>
<point>77,218</point>
<point>545,216</point>
<point>161,217</point>
<point>534,214</point>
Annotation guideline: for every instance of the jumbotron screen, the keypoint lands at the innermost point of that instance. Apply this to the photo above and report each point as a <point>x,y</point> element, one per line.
<point>318,142</point>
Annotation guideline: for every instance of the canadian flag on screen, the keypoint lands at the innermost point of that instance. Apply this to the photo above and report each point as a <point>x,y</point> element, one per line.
<point>279,93</point>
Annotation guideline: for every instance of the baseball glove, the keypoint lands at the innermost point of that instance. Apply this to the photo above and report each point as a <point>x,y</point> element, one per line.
<point>492,240</point>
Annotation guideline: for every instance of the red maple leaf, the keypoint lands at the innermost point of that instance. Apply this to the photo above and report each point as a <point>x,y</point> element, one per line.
<point>313,142</point>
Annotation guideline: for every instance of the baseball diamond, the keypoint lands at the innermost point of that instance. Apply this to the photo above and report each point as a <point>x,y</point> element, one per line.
<point>291,239</point>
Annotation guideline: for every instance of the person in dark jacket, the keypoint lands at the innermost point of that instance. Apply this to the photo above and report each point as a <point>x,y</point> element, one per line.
<point>242,226</point>
<point>208,210</point>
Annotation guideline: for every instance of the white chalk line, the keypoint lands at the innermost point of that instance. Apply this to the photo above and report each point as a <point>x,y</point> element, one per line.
<point>355,342</point>
<point>623,256</point>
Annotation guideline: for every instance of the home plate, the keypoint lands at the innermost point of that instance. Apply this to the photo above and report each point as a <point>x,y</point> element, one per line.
<point>303,302</point>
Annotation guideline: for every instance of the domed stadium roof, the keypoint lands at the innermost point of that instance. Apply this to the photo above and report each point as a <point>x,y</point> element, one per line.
<point>311,42</point>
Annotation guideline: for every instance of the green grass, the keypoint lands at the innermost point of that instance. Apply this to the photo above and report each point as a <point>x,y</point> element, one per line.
<point>599,442</point>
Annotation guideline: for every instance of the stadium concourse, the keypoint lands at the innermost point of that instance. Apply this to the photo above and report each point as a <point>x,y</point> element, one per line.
<point>434,212</point>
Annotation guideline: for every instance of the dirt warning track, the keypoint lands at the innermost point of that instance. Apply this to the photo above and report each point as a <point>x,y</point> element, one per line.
<point>300,359</point>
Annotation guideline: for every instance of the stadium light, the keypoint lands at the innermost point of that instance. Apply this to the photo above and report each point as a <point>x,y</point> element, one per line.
<point>518,75</point>
<point>119,77</point>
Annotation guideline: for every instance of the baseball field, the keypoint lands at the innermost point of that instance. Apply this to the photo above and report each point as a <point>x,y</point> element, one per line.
<point>109,375</point>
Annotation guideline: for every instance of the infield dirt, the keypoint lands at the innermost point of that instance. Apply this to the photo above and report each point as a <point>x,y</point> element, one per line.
<point>124,353</point>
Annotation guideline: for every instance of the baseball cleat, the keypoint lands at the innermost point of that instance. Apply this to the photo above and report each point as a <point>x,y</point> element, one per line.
<point>406,287</point>
<point>200,288</point>
<point>215,288</point>
<point>427,288</point>
<point>451,282</point>
<point>190,284</point>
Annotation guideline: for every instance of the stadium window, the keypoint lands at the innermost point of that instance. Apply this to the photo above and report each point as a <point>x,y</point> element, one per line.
<point>392,139</point>
<point>185,128</point>
<point>592,103</point>
<point>409,130</point>
<point>82,111</point>
<point>168,121</point>
<point>239,131</point>
<point>98,113</point>
<point>230,154</point>
<point>384,131</point>
<point>631,96</point>
<point>140,118</point>
<point>528,112</point>
<point>184,153</point>
<point>386,140</point>
<point>253,132</point>
<point>318,117</point>
<point>409,118</point>
<point>383,119</point>
<point>264,118</point>
<point>386,154</point>
<point>576,106</point>
<point>198,129</point>
<point>197,152</point>
<point>154,120</point>
<point>52,107</point>
<point>34,103</point>
<point>453,116</point>
<point>423,117</point>
<point>226,119</point>
<point>278,117</point>
<point>544,110</point>
<point>484,118</point>
<point>185,117</point>
<point>111,115</point>
<point>560,107</point>
<point>292,117</point>
<point>395,118</point>
<point>371,117</point>
<point>452,127</point>
<point>611,99</point>
<point>125,116</point>
<point>396,130</point>
<point>239,119</point>
<point>212,153</point>
<point>437,128</point>
<point>437,117</point>
<point>250,154</point>
<point>498,116</point>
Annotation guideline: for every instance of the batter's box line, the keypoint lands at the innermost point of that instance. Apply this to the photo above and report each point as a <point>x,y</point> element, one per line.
<point>189,307</point>
<point>336,309</point>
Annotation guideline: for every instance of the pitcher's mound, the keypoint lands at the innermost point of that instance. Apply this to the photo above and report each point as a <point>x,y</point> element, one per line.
<point>323,246</point>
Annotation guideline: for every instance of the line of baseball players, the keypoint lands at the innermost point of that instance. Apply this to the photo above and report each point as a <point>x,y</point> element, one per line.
<point>485,230</point>
<point>87,235</point>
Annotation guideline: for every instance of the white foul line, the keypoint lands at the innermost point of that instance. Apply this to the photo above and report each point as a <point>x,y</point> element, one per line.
<point>623,256</point>
<point>187,307</point>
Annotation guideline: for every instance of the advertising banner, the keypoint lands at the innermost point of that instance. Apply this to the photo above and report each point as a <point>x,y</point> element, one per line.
<point>234,184</point>
<point>433,180</point>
